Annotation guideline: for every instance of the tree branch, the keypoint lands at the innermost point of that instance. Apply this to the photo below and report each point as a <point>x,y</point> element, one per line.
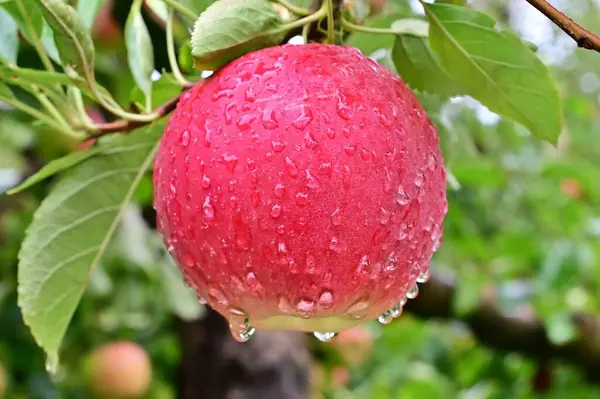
<point>582,36</point>
<point>522,333</point>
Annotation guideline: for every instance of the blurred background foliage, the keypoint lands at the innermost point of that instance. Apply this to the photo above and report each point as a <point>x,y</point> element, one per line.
<point>523,228</point>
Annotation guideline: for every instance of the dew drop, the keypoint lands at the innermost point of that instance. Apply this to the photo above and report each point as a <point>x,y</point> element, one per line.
<point>305,307</point>
<point>350,149</point>
<point>413,292</point>
<point>336,217</point>
<point>233,202</point>
<point>402,232</point>
<point>205,181</point>
<point>343,107</point>
<point>363,264</point>
<point>310,142</point>
<point>268,119</point>
<point>326,299</point>
<point>402,302</point>
<point>311,182</point>
<point>326,169</point>
<point>185,138</point>
<point>420,179</point>
<point>302,199</point>
<point>276,211</point>
<point>279,190</point>
<point>330,133</point>
<point>281,229</point>
<point>278,146</point>
<point>384,216</point>
<point>245,121</point>
<point>386,317</point>
<point>244,336</point>
<point>187,260</point>
<point>202,301</point>
<point>358,310</point>
<point>391,263</point>
<point>252,281</point>
<point>216,294</point>
<point>431,161</point>
<point>284,305</point>
<point>324,336</point>
<point>424,277</point>
<point>304,119</point>
<point>250,94</point>
<point>230,161</point>
<point>336,246</point>
<point>402,197</point>
<point>397,311</point>
<point>208,210</point>
<point>291,167</point>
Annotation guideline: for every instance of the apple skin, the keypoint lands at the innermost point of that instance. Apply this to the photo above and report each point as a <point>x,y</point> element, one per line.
<point>301,188</point>
<point>119,370</point>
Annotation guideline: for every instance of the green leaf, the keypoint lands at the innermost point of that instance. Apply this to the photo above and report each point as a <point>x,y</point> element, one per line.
<point>140,54</point>
<point>57,166</point>
<point>5,91</point>
<point>73,41</point>
<point>71,231</point>
<point>417,64</point>
<point>49,43</point>
<point>30,19</point>
<point>159,8</point>
<point>88,10</point>
<point>197,5</point>
<point>163,90</point>
<point>229,29</point>
<point>496,68</point>
<point>9,38</point>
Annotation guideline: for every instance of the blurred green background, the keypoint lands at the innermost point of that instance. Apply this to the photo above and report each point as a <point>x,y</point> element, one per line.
<point>522,232</point>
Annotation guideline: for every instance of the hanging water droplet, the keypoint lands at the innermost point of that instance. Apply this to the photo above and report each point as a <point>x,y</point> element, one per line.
<point>413,292</point>
<point>358,309</point>
<point>386,317</point>
<point>326,299</point>
<point>424,277</point>
<point>305,308</point>
<point>324,336</point>
<point>402,302</point>
<point>396,311</point>
<point>52,365</point>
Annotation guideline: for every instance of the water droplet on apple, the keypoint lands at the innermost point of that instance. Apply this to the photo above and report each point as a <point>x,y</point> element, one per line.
<point>324,336</point>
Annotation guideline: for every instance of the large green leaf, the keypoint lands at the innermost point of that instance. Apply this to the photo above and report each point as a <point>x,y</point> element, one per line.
<point>9,38</point>
<point>57,166</point>
<point>27,16</point>
<point>140,53</point>
<point>73,41</point>
<point>71,230</point>
<point>495,67</point>
<point>417,64</point>
<point>229,29</point>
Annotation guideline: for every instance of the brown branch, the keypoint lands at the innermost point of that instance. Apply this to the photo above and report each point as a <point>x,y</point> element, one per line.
<point>123,126</point>
<point>582,36</point>
<point>520,332</point>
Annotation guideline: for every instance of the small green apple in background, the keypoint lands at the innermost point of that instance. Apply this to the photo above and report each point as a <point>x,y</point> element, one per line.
<point>119,370</point>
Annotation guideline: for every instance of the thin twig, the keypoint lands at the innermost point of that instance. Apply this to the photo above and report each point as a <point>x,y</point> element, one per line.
<point>124,126</point>
<point>582,36</point>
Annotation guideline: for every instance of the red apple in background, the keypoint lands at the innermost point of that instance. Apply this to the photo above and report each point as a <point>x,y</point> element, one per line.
<point>301,187</point>
<point>119,370</point>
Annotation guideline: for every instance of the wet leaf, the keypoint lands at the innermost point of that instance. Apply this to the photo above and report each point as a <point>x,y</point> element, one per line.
<point>71,231</point>
<point>74,43</point>
<point>140,53</point>
<point>495,67</point>
<point>229,29</point>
